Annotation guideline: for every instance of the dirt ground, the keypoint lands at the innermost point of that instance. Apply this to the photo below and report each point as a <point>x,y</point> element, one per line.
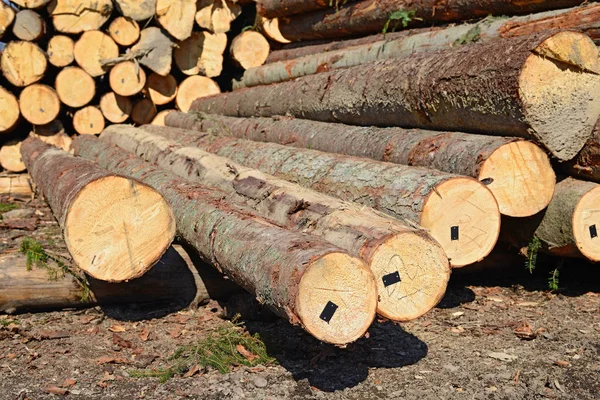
<point>497,334</point>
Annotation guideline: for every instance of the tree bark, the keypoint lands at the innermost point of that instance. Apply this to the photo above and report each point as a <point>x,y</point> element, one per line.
<point>93,47</point>
<point>176,278</point>
<point>76,16</point>
<point>419,195</point>
<point>29,25</point>
<point>568,227</point>
<point>403,44</point>
<point>16,186</point>
<point>364,233</point>
<point>374,16</point>
<point>543,87</point>
<point>517,172</point>
<point>88,121</point>
<point>60,51</point>
<point>23,63</point>
<point>586,165</point>
<point>10,107</point>
<point>106,219</point>
<point>296,275</point>
<point>278,8</point>
<point>124,31</point>
<point>39,104</point>
<point>75,87</point>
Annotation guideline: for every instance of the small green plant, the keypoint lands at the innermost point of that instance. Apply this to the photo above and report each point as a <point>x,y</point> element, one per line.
<point>53,264</point>
<point>403,17</point>
<point>532,252</point>
<point>553,280</point>
<point>222,349</point>
<point>471,36</point>
<point>6,322</point>
<point>4,207</point>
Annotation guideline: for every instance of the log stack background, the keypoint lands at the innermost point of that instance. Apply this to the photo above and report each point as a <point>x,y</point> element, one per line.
<point>364,147</point>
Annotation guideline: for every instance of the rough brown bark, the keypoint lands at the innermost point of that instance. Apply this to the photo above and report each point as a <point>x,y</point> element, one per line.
<point>361,231</point>
<point>518,173</point>
<point>174,279</point>
<point>414,194</point>
<point>401,44</point>
<point>280,263</point>
<point>16,186</point>
<point>278,8</point>
<point>543,87</point>
<point>371,16</point>
<point>586,165</point>
<point>105,240</point>
<point>568,227</point>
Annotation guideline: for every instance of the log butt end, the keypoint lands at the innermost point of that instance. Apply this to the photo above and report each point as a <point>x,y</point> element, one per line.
<point>411,272</point>
<point>586,224</point>
<point>337,299</point>
<point>559,86</point>
<point>463,216</point>
<point>520,177</point>
<point>117,228</point>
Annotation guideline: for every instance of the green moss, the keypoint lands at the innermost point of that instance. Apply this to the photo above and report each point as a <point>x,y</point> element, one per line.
<point>399,17</point>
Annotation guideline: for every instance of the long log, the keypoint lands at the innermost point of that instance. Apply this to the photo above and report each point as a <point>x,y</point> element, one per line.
<point>568,227</point>
<point>517,172</point>
<point>586,165</point>
<point>543,87</point>
<point>374,16</point>
<point>278,8</point>
<point>403,44</point>
<point>302,278</point>
<point>387,246</point>
<point>585,18</point>
<point>459,212</point>
<point>115,228</point>
<point>16,186</point>
<point>176,278</point>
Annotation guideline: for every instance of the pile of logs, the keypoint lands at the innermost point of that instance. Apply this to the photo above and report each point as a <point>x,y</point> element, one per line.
<point>337,180</point>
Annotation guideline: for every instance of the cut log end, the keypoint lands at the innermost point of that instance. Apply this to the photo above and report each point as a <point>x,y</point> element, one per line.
<point>88,121</point>
<point>23,63</point>
<point>10,110</point>
<point>60,50</point>
<point>192,88</point>
<point>29,25</point>
<point>463,216</point>
<point>75,87</point>
<point>39,104</point>
<point>586,223</point>
<point>520,177</point>
<point>124,31</point>
<point>115,108</point>
<point>337,299</point>
<point>161,89</point>
<point>249,49</point>
<point>270,27</point>
<point>111,218</point>
<point>143,112</point>
<point>93,47</point>
<point>560,89</point>
<point>10,157</point>
<point>127,79</point>
<point>411,272</point>
<point>159,119</point>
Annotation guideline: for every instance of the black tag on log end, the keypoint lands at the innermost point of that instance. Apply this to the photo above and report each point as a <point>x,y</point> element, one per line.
<point>593,231</point>
<point>328,311</point>
<point>487,181</point>
<point>454,233</point>
<point>391,279</point>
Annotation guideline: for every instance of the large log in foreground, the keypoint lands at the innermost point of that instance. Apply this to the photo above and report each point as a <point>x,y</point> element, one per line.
<point>459,212</point>
<point>406,43</point>
<point>570,225</point>
<point>372,16</point>
<point>517,172</point>
<point>174,279</point>
<point>544,87</point>
<point>303,278</point>
<point>115,228</point>
<point>585,18</point>
<point>387,246</point>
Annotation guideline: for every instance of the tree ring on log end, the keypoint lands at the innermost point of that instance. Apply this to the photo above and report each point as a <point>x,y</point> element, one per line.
<point>108,224</point>
<point>520,177</point>
<point>586,224</point>
<point>559,86</point>
<point>337,298</point>
<point>463,216</point>
<point>411,272</point>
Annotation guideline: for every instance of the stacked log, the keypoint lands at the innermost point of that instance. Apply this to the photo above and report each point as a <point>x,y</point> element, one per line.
<point>105,217</point>
<point>386,245</point>
<point>415,195</point>
<point>304,279</point>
